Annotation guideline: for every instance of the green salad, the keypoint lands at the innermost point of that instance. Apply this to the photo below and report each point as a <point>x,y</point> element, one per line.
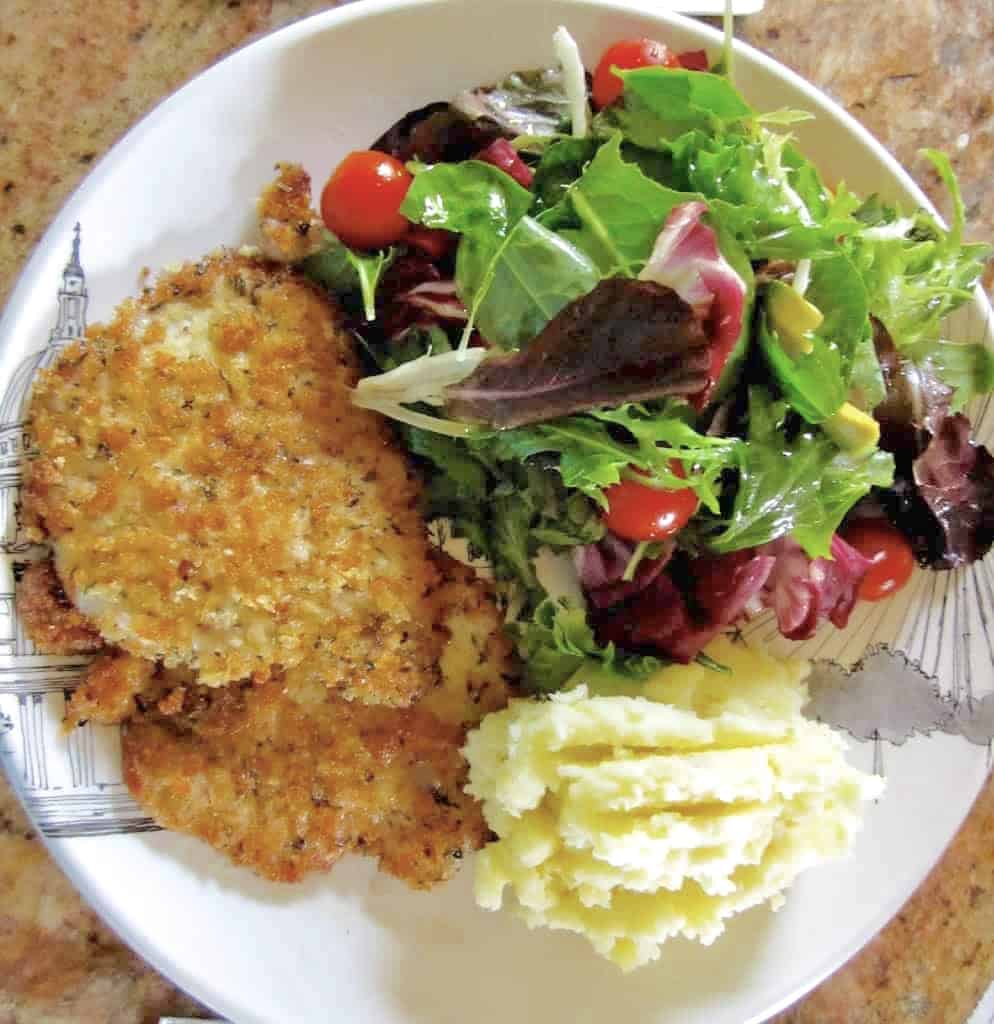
<point>647,341</point>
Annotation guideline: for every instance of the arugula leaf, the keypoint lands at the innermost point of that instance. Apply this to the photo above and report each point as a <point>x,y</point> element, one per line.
<point>615,212</point>
<point>802,486</point>
<point>592,457</point>
<point>343,271</point>
<point>662,103</point>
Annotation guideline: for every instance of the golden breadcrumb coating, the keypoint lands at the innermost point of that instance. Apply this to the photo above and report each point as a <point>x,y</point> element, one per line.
<point>215,501</point>
<point>286,781</point>
<point>290,229</point>
<point>48,616</point>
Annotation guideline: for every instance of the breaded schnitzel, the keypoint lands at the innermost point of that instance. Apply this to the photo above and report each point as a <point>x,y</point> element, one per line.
<point>214,500</point>
<point>48,616</point>
<point>286,779</point>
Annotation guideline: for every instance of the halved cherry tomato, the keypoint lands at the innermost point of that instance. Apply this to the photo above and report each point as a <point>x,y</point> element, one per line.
<point>361,201</point>
<point>627,54</point>
<point>890,555</point>
<point>638,512</point>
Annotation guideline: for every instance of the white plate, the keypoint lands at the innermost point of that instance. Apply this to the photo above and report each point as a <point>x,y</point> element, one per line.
<point>355,945</point>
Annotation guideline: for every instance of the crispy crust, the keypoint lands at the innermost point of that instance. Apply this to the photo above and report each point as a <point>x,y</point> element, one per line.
<point>215,501</point>
<point>48,616</point>
<point>286,780</point>
<point>291,231</point>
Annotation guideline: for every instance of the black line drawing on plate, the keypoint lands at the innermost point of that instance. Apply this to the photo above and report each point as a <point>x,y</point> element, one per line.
<point>71,784</point>
<point>886,698</point>
<point>15,444</point>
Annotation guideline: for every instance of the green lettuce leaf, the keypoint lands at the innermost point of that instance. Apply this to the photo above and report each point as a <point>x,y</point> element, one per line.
<point>346,272</point>
<point>661,103</point>
<point>967,368</point>
<point>916,272</point>
<point>613,212</point>
<point>513,274</point>
<point>812,383</point>
<point>557,641</point>
<point>593,454</point>
<point>561,164</point>
<point>530,279</point>
<point>801,485</point>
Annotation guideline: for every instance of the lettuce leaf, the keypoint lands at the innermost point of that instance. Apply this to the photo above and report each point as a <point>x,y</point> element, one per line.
<point>346,272</point>
<point>594,454</point>
<point>513,274</point>
<point>561,164</point>
<point>915,271</point>
<point>967,368</point>
<point>533,277</point>
<point>661,103</point>
<point>800,486</point>
<point>613,212</point>
<point>557,641</point>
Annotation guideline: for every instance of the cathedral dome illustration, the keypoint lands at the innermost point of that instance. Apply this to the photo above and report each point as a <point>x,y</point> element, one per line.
<point>15,443</point>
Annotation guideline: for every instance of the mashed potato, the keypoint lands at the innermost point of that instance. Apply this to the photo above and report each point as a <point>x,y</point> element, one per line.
<point>631,819</point>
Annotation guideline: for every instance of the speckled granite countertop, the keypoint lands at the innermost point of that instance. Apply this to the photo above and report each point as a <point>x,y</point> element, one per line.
<point>916,73</point>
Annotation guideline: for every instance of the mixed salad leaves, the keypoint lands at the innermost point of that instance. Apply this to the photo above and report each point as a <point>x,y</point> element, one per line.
<point>652,341</point>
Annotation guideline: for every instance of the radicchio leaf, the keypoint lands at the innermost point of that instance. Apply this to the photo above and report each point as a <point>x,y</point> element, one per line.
<point>601,570</point>
<point>686,258</point>
<point>803,592</point>
<point>677,612</point>
<point>625,341</point>
<point>502,154</point>
<point>662,618</point>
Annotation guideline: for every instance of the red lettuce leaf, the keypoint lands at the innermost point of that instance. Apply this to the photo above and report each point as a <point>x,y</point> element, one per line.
<point>625,341</point>
<point>916,399</point>
<point>601,568</point>
<point>955,480</point>
<point>437,133</point>
<point>943,493</point>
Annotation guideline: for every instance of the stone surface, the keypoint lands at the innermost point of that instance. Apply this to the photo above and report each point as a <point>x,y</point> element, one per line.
<point>74,77</point>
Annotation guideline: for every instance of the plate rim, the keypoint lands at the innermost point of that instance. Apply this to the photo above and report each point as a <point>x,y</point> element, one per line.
<point>142,941</point>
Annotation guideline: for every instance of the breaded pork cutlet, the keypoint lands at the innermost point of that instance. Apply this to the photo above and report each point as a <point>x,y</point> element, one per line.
<point>216,503</point>
<point>287,779</point>
<point>48,616</point>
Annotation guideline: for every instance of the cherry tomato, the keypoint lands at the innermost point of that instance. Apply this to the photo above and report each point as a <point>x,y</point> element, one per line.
<point>629,53</point>
<point>361,201</point>
<point>638,512</point>
<point>890,555</point>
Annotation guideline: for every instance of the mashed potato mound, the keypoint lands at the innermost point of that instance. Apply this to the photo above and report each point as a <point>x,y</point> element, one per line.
<point>631,819</point>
